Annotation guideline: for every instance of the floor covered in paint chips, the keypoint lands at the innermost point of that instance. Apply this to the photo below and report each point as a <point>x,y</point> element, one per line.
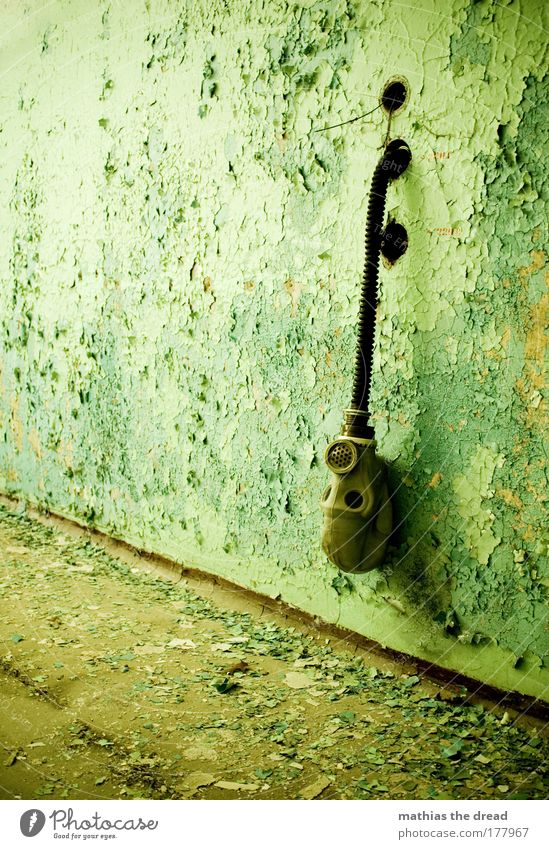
<point>120,681</point>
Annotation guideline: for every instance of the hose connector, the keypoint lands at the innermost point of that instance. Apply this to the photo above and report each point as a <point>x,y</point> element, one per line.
<point>396,158</point>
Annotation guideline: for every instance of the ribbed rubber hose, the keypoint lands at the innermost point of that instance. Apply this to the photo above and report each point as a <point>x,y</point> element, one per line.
<point>394,161</point>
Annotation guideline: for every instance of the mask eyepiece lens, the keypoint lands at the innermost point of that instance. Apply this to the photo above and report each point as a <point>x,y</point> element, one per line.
<point>354,499</point>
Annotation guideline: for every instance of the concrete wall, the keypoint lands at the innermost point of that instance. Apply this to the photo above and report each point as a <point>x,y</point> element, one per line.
<point>180,266</point>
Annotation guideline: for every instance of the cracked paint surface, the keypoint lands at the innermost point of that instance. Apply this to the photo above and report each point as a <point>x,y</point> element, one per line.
<point>180,277</point>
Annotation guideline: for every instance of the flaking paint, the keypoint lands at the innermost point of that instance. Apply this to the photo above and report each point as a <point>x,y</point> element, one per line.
<point>180,270</point>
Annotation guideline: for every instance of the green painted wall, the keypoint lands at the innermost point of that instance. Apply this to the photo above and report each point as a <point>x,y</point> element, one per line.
<point>180,265</point>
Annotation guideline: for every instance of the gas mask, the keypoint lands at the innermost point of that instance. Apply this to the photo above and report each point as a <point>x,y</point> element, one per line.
<point>356,506</point>
<point>357,511</point>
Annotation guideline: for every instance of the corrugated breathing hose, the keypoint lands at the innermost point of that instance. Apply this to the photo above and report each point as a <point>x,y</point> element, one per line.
<point>394,161</point>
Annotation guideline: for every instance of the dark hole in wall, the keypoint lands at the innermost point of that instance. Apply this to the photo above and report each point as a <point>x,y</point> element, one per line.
<point>394,95</point>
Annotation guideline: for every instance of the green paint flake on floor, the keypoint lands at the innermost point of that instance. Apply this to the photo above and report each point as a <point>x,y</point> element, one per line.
<point>118,683</point>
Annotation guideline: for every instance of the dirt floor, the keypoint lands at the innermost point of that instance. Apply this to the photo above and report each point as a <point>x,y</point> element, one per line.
<point>119,681</point>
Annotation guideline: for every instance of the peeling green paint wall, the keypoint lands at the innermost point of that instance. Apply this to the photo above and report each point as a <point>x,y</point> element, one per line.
<point>180,265</point>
